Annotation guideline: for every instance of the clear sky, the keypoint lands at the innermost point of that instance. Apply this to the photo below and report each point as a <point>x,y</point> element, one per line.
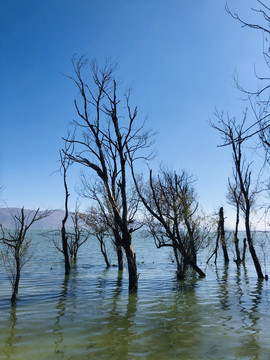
<point>179,57</point>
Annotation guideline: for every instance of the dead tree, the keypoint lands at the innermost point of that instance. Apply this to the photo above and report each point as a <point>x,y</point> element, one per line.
<point>222,235</point>
<point>102,141</point>
<point>100,218</point>
<point>259,98</point>
<point>17,252</point>
<point>65,164</point>
<point>220,238</point>
<point>234,197</point>
<point>98,227</point>
<point>232,135</point>
<point>171,202</point>
<point>77,235</point>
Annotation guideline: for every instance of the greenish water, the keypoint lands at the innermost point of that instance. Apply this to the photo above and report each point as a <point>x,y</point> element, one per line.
<point>92,316</point>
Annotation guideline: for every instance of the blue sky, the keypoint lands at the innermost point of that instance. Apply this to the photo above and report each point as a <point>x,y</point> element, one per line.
<point>178,56</point>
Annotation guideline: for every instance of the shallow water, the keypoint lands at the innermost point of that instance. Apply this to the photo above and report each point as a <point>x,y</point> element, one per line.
<point>92,316</point>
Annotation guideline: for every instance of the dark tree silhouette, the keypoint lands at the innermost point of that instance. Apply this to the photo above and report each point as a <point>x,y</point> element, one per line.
<point>220,238</point>
<point>65,164</point>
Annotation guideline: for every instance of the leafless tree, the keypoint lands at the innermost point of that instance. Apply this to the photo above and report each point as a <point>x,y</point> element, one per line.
<point>17,245</point>
<point>75,235</point>
<point>220,238</point>
<point>100,218</point>
<point>171,202</point>
<point>98,227</point>
<point>232,134</point>
<point>65,164</point>
<point>259,99</point>
<point>102,141</point>
<point>235,198</point>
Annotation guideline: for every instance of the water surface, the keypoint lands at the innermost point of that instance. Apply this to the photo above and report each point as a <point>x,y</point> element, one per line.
<point>92,315</point>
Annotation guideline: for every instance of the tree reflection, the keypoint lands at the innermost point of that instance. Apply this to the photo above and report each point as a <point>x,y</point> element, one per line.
<point>115,320</point>
<point>250,343</point>
<point>223,286</point>
<point>12,321</point>
<point>61,309</point>
<point>67,290</point>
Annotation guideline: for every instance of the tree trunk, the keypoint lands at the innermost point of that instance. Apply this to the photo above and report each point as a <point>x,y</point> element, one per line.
<point>195,267</point>
<point>222,235</point>
<point>104,253</point>
<point>119,258</point>
<point>188,260</point>
<point>17,280</point>
<point>177,259</point>
<point>63,230</point>
<point>65,249</point>
<point>244,250</point>
<point>132,268</point>
<point>252,249</point>
<point>236,240</point>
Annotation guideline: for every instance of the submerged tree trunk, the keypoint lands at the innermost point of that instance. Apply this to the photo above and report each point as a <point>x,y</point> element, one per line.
<point>63,230</point>
<point>119,253</point>
<point>132,268</point>
<point>222,235</point>
<point>17,280</point>
<point>104,253</point>
<point>244,250</point>
<point>252,249</point>
<point>235,239</point>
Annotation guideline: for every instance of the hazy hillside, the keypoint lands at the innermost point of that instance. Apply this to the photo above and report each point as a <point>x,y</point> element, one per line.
<point>53,221</point>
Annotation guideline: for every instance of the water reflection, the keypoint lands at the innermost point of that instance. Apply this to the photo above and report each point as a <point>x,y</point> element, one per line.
<point>114,323</point>
<point>12,321</point>
<point>61,309</point>
<point>67,294</point>
<point>92,316</point>
<point>222,280</point>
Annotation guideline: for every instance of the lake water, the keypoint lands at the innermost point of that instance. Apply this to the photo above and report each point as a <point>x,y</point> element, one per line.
<point>92,316</point>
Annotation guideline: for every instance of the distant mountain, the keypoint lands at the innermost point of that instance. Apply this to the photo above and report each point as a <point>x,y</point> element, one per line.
<point>54,221</point>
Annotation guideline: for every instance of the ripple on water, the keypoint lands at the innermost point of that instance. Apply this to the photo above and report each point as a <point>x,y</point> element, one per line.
<point>224,316</point>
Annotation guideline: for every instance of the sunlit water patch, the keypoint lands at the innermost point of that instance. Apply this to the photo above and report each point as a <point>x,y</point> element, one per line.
<point>92,315</point>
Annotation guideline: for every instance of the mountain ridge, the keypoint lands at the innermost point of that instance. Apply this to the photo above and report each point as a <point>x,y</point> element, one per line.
<point>53,221</point>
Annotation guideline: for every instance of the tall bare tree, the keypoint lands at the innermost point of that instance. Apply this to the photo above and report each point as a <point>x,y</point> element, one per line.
<point>65,164</point>
<point>232,135</point>
<point>104,138</point>
<point>17,252</point>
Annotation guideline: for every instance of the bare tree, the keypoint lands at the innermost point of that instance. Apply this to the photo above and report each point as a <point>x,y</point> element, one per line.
<point>220,238</point>
<point>259,99</point>
<point>102,141</point>
<point>170,200</point>
<point>77,236</point>
<point>100,218</point>
<point>232,134</point>
<point>234,198</point>
<point>65,164</point>
<point>97,223</point>
<point>17,252</point>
